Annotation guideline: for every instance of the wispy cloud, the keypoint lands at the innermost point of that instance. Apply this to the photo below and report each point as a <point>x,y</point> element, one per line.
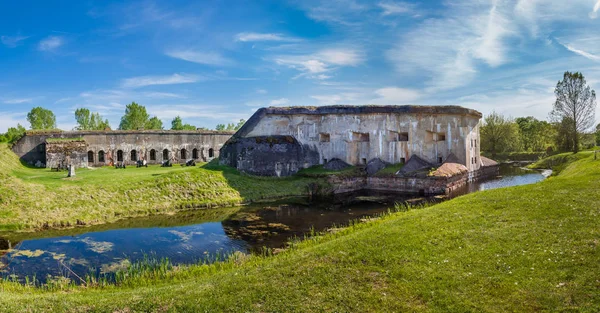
<point>582,53</point>
<point>12,41</point>
<point>594,13</point>
<point>249,36</point>
<point>344,12</point>
<point>394,8</point>
<point>395,95</point>
<point>280,101</point>
<point>261,91</point>
<point>313,65</point>
<point>18,101</point>
<point>51,43</point>
<point>207,58</point>
<point>339,98</point>
<point>141,81</point>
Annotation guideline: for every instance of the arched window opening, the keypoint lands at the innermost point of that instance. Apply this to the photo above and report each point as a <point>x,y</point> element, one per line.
<point>133,155</point>
<point>195,154</point>
<point>211,153</point>
<point>165,154</point>
<point>152,155</point>
<point>120,156</point>
<point>101,156</point>
<point>183,154</point>
<point>90,156</point>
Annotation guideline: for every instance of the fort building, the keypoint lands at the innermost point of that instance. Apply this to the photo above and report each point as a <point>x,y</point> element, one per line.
<point>98,148</point>
<point>280,141</point>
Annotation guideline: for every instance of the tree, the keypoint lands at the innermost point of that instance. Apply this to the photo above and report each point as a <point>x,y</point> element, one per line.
<point>534,135</point>
<point>575,102</point>
<point>498,134</point>
<point>220,127</point>
<point>135,117</point>
<point>177,124</point>
<point>565,135</point>
<point>41,118</point>
<point>240,124</point>
<point>90,121</point>
<point>154,123</point>
<point>13,134</point>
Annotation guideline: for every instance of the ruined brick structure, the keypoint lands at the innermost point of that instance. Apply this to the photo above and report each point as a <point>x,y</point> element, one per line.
<point>355,135</point>
<point>109,147</point>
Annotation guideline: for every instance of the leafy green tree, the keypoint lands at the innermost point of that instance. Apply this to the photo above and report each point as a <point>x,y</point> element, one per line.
<point>499,134</point>
<point>240,124</point>
<point>135,117</point>
<point>565,135</point>
<point>41,118</point>
<point>597,134</point>
<point>534,135</point>
<point>575,103</point>
<point>90,121</point>
<point>230,126</point>
<point>177,124</point>
<point>13,134</point>
<point>154,123</point>
<point>220,127</point>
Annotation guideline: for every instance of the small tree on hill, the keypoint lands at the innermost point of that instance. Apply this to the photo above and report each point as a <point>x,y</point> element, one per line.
<point>575,103</point>
<point>90,121</point>
<point>41,118</point>
<point>135,117</point>
<point>177,124</point>
<point>154,123</point>
<point>498,134</point>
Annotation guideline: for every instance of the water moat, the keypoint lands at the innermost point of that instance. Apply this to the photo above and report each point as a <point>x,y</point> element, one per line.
<point>196,236</point>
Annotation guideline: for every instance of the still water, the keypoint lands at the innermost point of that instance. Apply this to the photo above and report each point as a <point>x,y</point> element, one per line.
<point>193,236</point>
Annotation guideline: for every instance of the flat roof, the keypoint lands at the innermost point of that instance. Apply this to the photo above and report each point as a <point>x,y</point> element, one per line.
<point>77,133</point>
<point>367,109</point>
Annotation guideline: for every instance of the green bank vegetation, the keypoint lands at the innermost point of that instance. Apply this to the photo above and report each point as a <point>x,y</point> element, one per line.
<point>32,198</point>
<point>521,249</point>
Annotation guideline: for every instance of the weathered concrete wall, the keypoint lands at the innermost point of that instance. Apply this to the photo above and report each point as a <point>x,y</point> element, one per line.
<point>31,148</point>
<point>64,153</point>
<point>357,134</point>
<point>268,155</point>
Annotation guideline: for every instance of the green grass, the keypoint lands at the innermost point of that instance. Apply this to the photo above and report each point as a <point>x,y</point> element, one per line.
<point>532,248</point>
<point>559,162</point>
<point>390,170</point>
<point>32,198</point>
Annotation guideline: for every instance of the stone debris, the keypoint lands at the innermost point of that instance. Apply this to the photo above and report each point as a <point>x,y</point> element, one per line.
<point>336,165</point>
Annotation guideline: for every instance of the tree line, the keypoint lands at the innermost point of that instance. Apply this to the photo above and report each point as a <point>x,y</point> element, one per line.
<point>570,127</point>
<point>136,117</point>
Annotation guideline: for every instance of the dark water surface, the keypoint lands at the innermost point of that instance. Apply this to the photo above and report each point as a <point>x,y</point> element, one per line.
<point>194,236</point>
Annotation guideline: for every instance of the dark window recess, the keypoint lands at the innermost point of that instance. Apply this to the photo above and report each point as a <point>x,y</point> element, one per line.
<point>441,137</point>
<point>402,136</point>
<point>364,161</point>
<point>183,154</point>
<point>324,137</point>
<point>211,153</point>
<point>195,154</point>
<point>90,157</point>
<point>133,155</point>
<point>101,156</point>
<point>120,156</point>
<point>440,160</point>
<point>402,160</point>
<point>165,154</point>
<point>152,155</point>
<point>324,161</point>
<point>361,137</point>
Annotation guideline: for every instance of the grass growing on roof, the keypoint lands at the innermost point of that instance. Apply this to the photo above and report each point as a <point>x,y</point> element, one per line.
<point>529,248</point>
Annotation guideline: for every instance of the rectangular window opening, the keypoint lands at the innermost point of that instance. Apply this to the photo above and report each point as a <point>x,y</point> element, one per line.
<point>360,137</point>
<point>364,161</point>
<point>396,136</point>
<point>441,137</point>
<point>440,160</point>
<point>402,160</point>
<point>324,161</point>
<point>324,137</point>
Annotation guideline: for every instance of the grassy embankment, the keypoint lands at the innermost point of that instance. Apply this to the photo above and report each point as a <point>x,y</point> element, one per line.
<point>33,198</point>
<point>521,249</point>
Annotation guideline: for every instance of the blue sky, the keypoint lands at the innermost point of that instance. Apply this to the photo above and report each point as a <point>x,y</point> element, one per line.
<point>218,61</point>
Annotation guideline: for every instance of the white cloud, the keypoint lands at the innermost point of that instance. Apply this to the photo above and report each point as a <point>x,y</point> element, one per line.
<point>207,58</point>
<point>51,43</point>
<point>261,91</point>
<point>323,61</point>
<point>247,37</point>
<point>395,95</point>
<point>448,49</point>
<point>12,41</point>
<point>141,81</point>
<point>594,13</point>
<point>344,12</point>
<point>340,98</point>
<point>582,53</point>
<point>18,101</point>
<point>392,8</point>
<point>280,101</point>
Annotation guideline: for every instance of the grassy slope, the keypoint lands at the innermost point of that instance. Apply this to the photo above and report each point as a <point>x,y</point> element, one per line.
<point>521,249</point>
<point>30,198</point>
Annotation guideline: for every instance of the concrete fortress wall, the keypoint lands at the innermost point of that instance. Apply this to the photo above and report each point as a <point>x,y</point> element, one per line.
<point>104,147</point>
<point>357,134</point>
